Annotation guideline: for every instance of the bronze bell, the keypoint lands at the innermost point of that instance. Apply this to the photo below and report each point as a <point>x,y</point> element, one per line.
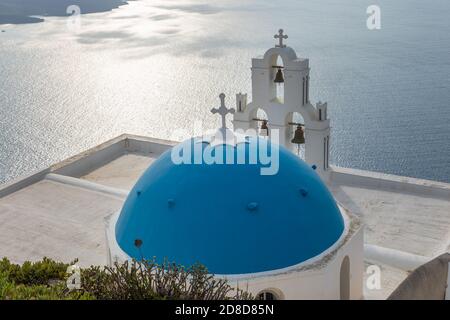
<point>279,78</point>
<point>265,127</point>
<point>299,136</point>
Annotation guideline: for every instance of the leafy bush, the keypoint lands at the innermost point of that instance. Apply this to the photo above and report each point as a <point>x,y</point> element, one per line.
<point>149,280</point>
<point>43,280</point>
<point>37,273</point>
<point>58,291</point>
<point>46,279</point>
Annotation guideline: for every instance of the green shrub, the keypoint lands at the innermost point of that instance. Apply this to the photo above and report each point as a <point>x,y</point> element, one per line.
<point>46,280</point>
<point>58,291</point>
<point>148,280</point>
<point>34,273</point>
<point>41,280</point>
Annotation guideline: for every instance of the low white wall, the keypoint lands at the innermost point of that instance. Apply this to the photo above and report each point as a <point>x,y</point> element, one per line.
<point>148,145</point>
<point>92,159</point>
<point>85,184</point>
<point>22,182</point>
<point>381,181</point>
<point>394,258</point>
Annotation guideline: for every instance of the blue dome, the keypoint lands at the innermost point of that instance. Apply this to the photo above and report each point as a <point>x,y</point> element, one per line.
<point>229,217</point>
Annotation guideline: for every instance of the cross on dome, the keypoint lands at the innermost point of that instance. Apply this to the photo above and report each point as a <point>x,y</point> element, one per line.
<point>280,36</point>
<point>223,110</point>
<point>224,135</point>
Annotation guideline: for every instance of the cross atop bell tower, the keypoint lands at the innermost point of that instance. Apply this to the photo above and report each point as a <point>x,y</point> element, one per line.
<point>280,38</point>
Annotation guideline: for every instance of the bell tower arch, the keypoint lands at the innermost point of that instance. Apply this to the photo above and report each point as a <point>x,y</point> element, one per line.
<point>293,75</point>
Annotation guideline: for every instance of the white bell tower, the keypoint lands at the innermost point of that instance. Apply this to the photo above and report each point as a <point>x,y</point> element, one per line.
<point>292,80</point>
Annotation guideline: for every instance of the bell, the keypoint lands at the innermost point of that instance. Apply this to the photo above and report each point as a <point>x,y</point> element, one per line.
<point>264,131</point>
<point>299,136</point>
<point>279,76</point>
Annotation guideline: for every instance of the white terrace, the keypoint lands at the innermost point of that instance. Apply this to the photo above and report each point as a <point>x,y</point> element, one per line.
<point>60,212</point>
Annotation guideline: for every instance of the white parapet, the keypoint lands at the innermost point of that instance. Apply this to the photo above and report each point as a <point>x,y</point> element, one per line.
<point>394,258</point>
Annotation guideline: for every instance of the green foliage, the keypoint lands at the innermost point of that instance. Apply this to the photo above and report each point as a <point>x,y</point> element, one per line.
<point>148,280</point>
<point>57,291</point>
<point>46,280</point>
<point>34,273</point>
<point>41,280</point>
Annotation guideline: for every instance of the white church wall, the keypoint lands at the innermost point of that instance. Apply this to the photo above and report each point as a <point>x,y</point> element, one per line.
<point>260,85</point>
<point>355,251</point>
<point>317,283</point>
<point>292,286</point>
<point>317,278</point>
<point>293,93</point>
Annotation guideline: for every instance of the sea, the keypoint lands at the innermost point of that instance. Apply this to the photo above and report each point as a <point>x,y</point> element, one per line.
<point>154,68</point>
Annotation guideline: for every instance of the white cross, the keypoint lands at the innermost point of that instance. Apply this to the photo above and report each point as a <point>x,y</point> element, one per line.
<point>280,38</point>
<point>222,110</point>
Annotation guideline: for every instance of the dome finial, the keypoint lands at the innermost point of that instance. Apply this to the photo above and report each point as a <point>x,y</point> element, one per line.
<point>280,36</point>
<point>223,110</point>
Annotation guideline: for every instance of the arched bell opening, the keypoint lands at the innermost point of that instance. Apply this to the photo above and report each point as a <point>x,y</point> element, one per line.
<point>277,79</point>
<point>295,133</point>
<point>259,121</point>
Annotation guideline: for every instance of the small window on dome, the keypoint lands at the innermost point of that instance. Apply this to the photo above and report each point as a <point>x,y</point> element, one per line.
<point>266,295</point>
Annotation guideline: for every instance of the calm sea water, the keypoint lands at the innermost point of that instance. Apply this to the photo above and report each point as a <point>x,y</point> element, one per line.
<point>153,67</point>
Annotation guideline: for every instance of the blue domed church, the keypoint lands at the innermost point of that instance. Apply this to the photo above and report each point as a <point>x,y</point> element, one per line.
<point>248,209</point>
